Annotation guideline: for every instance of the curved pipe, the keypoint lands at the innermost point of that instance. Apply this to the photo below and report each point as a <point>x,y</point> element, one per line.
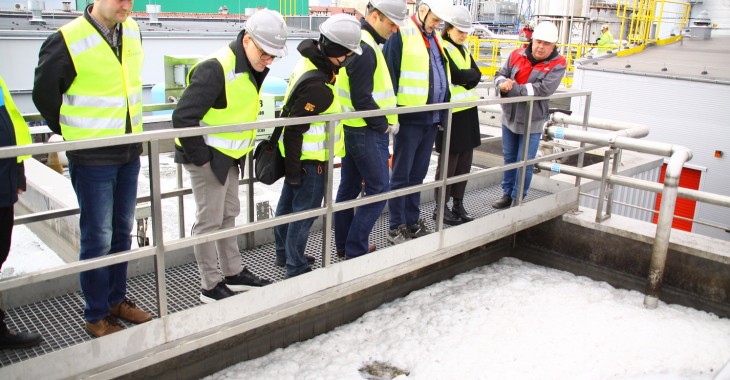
<point>664,226</point>
<point>626,136</point>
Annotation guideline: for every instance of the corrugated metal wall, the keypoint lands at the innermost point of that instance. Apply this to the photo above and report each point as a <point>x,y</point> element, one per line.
<point>690,113</point>
<point>628,196</point>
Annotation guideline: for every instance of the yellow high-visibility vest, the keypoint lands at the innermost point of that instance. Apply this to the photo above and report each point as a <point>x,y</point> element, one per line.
<point>383,93</point>
<point>414,66</point>
<point>22,133</point>
<point>314,143</point>
<point>242,106</point>
<point>460,93</point>
<point>105,90</point>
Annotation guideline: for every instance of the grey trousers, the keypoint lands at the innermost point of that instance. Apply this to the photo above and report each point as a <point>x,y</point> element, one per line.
<point>217,207</point>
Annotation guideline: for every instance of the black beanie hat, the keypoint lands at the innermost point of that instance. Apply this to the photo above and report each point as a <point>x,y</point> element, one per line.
<point>332,49</point>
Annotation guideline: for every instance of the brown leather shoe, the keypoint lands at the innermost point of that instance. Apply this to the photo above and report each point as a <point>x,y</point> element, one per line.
<point>103,327</point>
<point>371,248</point>
<point>128,311</point>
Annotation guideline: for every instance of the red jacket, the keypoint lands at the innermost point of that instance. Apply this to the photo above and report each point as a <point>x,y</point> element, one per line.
<point>542,79</point>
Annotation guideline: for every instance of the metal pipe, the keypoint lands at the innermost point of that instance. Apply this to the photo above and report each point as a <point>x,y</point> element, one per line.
<point>664,227</point>
<point>623,128</point>
<point>694,195</point>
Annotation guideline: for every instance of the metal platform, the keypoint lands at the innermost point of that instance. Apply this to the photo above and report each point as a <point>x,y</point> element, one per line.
<point>60,319</point>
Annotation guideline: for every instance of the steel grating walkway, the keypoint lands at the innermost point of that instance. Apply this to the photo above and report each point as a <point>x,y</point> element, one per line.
<point>60,319</point>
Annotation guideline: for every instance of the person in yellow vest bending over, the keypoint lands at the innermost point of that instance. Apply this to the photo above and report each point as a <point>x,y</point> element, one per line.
<point>465,76</point>
<point>311,92</point>
<point>13,131</point>
<point>224,89</point>
<point>420,75</point>
<point>365,85</point>
<point>88,84</point>
<point>605,42</point>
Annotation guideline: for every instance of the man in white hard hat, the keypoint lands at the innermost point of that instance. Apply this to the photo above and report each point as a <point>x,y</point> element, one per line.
<point>364,85</point>
<point>311,92</point>
<point>605,42</point>
<point>420,75</point>
<point>526,31</point>
<point>224,89</point>
<point>535,70</point>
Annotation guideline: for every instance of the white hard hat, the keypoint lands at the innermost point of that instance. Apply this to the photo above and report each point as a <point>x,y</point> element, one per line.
<point>344,30</point>
<point>268,29</point>
<point>395,10</point>
<point>439,7</point>
<point>605,26</point>
<point>461,19</point>
<point>531,24</point>
<point>546,31</point>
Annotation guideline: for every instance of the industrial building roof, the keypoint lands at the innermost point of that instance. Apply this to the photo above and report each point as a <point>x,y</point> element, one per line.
<point>689,59</point>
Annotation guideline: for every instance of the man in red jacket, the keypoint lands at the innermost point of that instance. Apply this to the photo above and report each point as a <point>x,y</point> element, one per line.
<point>535,70</point>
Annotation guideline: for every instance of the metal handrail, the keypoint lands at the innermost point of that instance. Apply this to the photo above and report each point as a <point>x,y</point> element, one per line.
<point>160,247</point>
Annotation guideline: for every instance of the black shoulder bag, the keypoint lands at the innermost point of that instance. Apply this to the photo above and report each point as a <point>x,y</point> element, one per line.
<point>268,161</point>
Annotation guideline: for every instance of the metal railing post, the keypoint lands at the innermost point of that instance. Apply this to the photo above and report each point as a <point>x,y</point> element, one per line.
<point>180,203</point>
<point>444,163</point>
<point>251,236</point>
<point>153,149</point>
<point>328,201</point>
<point>602,190</point>
<point>525,148</point>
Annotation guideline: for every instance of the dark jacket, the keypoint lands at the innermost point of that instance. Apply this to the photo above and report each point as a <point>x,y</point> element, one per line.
<point>545,77</point>
<point>361,72</point>
<point>207,90</point>
<point>53,77</point>
<point>311,97</point>
<point>464,124</point>
<point>12,174</point>
<point>393,52</point>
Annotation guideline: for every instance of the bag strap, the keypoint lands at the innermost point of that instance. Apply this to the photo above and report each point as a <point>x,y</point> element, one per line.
<point>311,74</point>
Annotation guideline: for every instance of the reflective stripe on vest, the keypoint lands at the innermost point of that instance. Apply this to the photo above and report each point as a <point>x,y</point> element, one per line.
<point>314,141</point>
<point>383,93</point>
<point>105,91</point>
<point>22,133</point>
<point>460,93</point>
<point>242,106</point>
<point>415,65</point>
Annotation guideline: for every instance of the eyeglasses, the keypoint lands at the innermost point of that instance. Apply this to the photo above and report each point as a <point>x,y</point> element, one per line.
<point>264,55</point>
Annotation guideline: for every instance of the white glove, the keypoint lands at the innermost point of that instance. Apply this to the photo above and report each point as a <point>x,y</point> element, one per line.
<point>393,129</point>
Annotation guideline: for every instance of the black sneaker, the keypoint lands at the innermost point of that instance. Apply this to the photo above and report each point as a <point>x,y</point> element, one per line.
<point>418,230</point>
<point>218,293</point>
<point>504,202</point>
<point>18,339</point>
<point>398,235</point>
<point>245,281</point>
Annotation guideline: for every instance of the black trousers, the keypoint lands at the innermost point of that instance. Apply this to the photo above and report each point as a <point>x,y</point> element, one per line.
<point>459,163</point>
<point>6,231</point>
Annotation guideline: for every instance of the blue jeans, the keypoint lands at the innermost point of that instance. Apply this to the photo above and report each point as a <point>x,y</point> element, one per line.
<point>512,151</point>
<point>107,197</point>
<point>366,160</point>
<point>412,148</point>
<point>291,239</point>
